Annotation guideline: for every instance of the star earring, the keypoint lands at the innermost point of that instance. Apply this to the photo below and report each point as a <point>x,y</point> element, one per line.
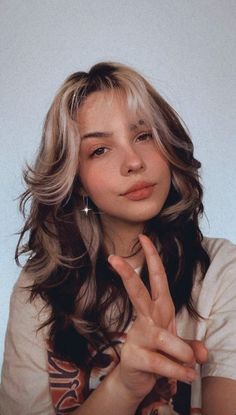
<point>86,208</point>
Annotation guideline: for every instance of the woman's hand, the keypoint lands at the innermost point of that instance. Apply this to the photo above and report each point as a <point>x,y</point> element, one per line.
<point>152,347</point>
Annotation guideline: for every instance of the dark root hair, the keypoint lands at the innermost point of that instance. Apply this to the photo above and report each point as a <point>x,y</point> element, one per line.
<point>66,252</point>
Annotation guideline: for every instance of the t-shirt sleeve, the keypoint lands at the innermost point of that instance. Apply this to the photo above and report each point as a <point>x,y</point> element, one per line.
<point>220,335</point>
<point>25,385</point>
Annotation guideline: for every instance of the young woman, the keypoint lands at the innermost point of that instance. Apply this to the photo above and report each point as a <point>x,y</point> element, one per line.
<point>121,296</point>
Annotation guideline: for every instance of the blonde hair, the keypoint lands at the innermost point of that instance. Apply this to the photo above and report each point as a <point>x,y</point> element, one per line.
<point>53,185</point>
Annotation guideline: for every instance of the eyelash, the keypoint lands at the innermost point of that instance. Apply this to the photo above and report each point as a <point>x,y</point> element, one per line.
<point>94,153</point>
<point>149,135</point>
<point>144,135</point>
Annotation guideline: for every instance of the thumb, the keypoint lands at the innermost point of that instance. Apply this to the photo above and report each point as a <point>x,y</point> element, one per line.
<point>200,351</point>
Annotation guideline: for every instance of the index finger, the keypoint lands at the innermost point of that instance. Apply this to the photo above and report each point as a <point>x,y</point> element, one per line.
<point>136,290</point>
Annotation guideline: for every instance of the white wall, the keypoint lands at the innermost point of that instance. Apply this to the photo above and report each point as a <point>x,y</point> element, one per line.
<point>185,47</point>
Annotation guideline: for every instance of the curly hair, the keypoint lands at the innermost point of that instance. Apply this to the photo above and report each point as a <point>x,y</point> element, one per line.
<point>66,252</point>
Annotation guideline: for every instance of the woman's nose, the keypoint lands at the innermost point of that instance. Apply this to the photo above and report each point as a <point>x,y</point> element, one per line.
<point>132,162</point>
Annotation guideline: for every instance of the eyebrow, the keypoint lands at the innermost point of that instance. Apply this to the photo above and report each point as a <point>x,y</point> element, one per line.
<point>97,134</point>
<point>139,123</point>
<point>105,134</point>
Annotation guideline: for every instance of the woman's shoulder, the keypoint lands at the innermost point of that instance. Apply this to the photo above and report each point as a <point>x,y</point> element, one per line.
<point>216,290</point>
<point>21,301</point>
<point>25,368</point>
<point>222,253</point>
<point>24,280</point>
<point>219,248</point>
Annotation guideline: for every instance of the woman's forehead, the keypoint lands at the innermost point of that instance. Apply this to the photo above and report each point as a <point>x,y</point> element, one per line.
<point>105,104</point>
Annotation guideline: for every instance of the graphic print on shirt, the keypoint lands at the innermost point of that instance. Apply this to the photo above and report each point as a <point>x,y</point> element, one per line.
<point>67,384</point>
<point>70,386</point>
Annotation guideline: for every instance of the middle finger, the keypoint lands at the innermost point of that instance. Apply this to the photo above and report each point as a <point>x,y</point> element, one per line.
<point>136,290</point>
<point>157,276</point>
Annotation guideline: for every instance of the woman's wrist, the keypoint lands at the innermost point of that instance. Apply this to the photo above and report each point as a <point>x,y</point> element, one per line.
<point>116,386</point>
<point>111,397</point>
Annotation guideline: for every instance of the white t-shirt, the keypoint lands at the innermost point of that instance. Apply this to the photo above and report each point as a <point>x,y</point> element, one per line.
<point>25,379</point>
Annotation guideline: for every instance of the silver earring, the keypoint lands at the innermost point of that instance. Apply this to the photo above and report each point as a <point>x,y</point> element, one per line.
<point>86,208</point>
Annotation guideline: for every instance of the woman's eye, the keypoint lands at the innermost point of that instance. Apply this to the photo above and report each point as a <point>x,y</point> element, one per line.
<point>144,137</point>
<point>99,151</point>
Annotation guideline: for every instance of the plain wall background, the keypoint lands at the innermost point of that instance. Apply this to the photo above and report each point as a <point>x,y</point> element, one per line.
<point>186,48</point>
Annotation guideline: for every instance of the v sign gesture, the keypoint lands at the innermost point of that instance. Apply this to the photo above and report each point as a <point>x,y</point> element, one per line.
<point>152,347</point>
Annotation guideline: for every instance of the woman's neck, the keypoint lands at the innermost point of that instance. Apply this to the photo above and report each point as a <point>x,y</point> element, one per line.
<point>123,241</point>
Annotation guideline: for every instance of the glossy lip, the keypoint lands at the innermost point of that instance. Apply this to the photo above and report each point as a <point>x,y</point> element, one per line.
<point>138,186</point>
<point>140,191</point>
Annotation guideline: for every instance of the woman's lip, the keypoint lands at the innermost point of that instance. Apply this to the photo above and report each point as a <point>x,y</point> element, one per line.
<point>137,186</point>
<point>141,193</point>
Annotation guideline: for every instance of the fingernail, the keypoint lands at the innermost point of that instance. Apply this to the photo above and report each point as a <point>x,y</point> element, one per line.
<point>191,365</point>
<point>109,257</point>
<point>187,382</point>
<point>191,375</point>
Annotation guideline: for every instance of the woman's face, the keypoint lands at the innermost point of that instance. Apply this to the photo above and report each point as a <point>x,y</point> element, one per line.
<point>120,167</point>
